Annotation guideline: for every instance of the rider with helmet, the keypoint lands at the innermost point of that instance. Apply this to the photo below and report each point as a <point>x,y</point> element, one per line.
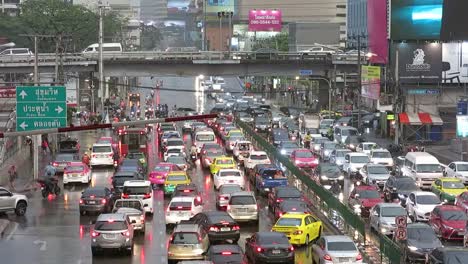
<point>307,140</point>
<point>49,177</point>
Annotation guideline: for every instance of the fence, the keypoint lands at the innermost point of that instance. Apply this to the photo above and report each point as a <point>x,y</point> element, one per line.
<point>329,205</point>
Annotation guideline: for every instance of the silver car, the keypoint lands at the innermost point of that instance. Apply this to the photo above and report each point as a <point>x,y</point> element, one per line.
<point>224,194</point>
<point>382,217</point>
<point>338,157</point>
<point>133,208</point>
<point>61,161</point>
<point>231,142</point>
<point>375,172</point>
<point>335,249</point>
<point>326,149</point>
<point>112,231</point>
<point>243,207</point>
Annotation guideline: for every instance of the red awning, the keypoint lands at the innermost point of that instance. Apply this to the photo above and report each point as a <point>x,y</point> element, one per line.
<point>425,118</point>
<point>417,119</point>
<point>404,119</point>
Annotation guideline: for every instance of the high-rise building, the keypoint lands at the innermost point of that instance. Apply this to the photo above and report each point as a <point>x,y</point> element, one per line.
<point>153,10</point>
<point>10,7</point>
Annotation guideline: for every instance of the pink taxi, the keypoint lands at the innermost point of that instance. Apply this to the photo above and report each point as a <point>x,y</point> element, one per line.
<point>158,175</point>
<point>304,158</point>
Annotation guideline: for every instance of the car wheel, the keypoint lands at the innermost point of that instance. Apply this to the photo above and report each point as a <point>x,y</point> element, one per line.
<point>130,251</point>
<point>20,209</point>
<point>94,251</point>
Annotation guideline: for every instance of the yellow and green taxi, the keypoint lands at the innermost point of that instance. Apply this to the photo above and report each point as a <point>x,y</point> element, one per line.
<point>222,163</point>
<point>140,156</point>
<point>173,179</point>
<point>448,188</point>
<point>300,228</point>
<point>235,133</point>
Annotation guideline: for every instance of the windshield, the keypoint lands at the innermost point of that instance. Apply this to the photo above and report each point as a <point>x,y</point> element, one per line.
<point>185,206</point>
<point>329,168</point>
<point>237,134</point>
<point>392,211</point>
<point>224,162</point>
<point>258,157</point>
<point>289,145</point>
<point>176,178</point>
<point>360,159</point>
<point>102,140</point>
<point>176,160</point>
<point>454,215</point>
<point>326,124</point>
<point>428,168</point>
<point>162,168</point>
<point>229,173</point>
<point>421,234</point>
<point>456,257</point>
<point>304,154</point>
<point>230,189</point>
<point>427,199</point>
<point>462,167</point>
<point>242,200</point>
<point>369,194</point>
<point>381,155</point>
<point>175,143</point>
<point>205,137</point>
<point>185,238</point>
<point>349,132</point>
<point>102,149</point>
<point>289,222</point>
<point>341,246</point>
<point>133,190</point>
<point>74,168</point>
<point>406,185</point>
<point>329,145</point>
<point>110,226</point>
<point>135,156</point>
<point>377,170</point>
<point>453,185</point>
<point>341,154</point>
<point>368,146</point>
<point>273,173</point>
<point>212,154</point>
<point>64,158</point>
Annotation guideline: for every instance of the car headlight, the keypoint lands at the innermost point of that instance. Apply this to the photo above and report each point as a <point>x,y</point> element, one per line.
<point>356,206</point>
<point>383,229</point>
<point>401,196</point>
<point>283,151</point>
<point>412,248</point>
<point>351,145</point>
<point>326,152</point>
<point>341,178</point>
<point>317,147</point>
<point>354,169</point>
<point>324,177</point>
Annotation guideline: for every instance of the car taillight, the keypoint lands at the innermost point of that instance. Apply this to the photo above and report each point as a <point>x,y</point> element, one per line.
<point>228,207</point>
<point>327,257</point>
<point>199,239</point>
<point>126,233</point>
<point>125,196</point>
<point>280,214</point>
<point>111,155</point>
<point>359,257</point>
<point>256,206</point>
<point>226,253</point>
<point>55,164</point>
<point>147,196</point>
<point>291,248</point>
<point>103,201</point>
<point>142,218</point>
<point>214,229</point>
<point>94,234</point>
<point>236,227</point>
<point>81,201</point>
<point>199,199</point>
<point>259,249</point>
<point>279,200</point>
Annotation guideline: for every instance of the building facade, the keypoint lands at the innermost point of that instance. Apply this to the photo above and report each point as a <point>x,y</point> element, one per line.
<point>10,7</point>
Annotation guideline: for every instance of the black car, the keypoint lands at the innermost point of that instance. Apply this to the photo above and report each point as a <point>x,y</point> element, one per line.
<point>329,172</point>
<point>282,193</point>
<point>399,188</point>
<point>120,177</point>
<point>278,135</point>
<point>96,200</point>
<point>189,190</point>
<point>352,142</point>
<point>131,165</point>
<point>219,226</point>
<point>443,255</point>
<point>262,125</point>
<point>69,146</point>
<point>269,247</point>
<point>289,206</point>
<point>420,241</point>
<point>226,254</point>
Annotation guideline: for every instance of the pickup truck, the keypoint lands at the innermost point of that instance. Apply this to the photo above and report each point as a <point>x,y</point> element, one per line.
<point>267,176</point>
<point>133,208</point>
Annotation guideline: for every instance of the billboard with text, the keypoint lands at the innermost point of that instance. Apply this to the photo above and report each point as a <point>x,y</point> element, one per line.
<point>265,20</point>
<point>215,6</point>
<point>419,63</point>
<point>370,82</point>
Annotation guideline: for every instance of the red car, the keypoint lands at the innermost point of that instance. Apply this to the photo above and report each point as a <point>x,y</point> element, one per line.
<point>158,175</point>
<point>462,201</point>
<point>304,158</point>
<point>363,198</point>
<point>449,222</point>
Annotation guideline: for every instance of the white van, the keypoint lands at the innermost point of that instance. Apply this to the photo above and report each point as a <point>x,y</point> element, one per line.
<point>422,167</point>
<point>139,189</point>
<point>102,155</point>
<point>106,48</point>
<point>203,136</point>
<point>340,133</point>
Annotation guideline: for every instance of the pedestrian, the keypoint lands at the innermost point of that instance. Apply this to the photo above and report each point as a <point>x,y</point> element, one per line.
<point>12,175</point>
<point>44,146</point>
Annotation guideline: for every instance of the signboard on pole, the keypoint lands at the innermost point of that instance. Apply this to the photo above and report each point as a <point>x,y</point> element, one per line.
<point>400,233</point>
<point>265,20</point>
<point>370,81</point>
<point>40,107</point>
<point>305,72</point>
<point>401,221</point>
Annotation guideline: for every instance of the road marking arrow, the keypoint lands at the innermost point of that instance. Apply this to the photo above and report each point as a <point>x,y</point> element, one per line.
<point>42,243</point>
<point>59,109</point>
<point>23,125</point>
<point>23,94</point>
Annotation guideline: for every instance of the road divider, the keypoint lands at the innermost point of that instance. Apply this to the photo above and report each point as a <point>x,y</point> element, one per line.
<point>329,205</point>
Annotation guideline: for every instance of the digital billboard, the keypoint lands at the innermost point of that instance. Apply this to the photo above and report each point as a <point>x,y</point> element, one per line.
<point>416,19</point>
<point>180,6</point>
<point>377,28</point>
<point>265,20</point>
<point>215,6</point>
<point>419,63</point>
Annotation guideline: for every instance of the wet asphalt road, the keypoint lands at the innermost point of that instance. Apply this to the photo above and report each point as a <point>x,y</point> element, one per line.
<point>53,231</point>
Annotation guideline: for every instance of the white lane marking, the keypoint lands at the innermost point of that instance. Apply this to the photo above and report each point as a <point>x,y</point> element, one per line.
<point>13,231</point>
<point>42,243</point>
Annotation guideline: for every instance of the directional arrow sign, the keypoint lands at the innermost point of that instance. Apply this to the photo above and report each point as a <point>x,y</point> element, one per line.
<point>42,244</point>
<point>40,107</point>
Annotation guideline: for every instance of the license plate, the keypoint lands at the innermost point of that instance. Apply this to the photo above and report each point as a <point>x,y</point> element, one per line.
<point>242,210</point>
<point>182,213</point>
<point>75,175</point>
<point>461,233</point>
<point>159,177</point>
<point>91,202</point>
<point>225,229</point>
<point>110,236</point>
<point>276,251</point>
<point>343,259</point>
<point>231,181</point>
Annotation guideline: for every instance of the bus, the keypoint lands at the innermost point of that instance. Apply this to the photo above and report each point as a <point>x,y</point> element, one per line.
<point>133,98</point>
<point>133,140</point>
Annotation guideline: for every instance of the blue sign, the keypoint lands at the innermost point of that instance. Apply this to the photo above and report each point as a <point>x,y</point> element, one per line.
<point>305,72</point>
<point>423,91</point>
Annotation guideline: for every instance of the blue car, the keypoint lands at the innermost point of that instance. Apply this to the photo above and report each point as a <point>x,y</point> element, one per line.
<point>267,177</point>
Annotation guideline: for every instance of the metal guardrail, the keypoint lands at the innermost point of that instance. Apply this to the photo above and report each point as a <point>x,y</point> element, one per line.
<point>193,56</point>
<point>338,213</point>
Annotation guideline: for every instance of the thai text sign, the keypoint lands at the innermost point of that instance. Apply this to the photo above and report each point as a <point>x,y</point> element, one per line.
<point>265,20</point>
<point>370,81</point>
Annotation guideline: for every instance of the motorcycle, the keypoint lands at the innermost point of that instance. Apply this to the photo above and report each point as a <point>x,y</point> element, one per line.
<point>193,157</point>
<point>45,188</point>
<point>335,188</point>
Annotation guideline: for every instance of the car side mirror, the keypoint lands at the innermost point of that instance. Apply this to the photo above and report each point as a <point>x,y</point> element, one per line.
<point>133,221</point>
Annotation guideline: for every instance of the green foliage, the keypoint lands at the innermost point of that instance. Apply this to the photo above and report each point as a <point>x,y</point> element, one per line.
<point>279,42</point>
<point>150,38</point>
<point>55,17</point>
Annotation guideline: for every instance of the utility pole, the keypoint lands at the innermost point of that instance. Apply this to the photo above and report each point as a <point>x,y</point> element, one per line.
<point>359,80</point>
<point>101,62</point>
<point>397,109</point>
<point>230,14</point>
<point>204,42</point>
<point>220,16</point>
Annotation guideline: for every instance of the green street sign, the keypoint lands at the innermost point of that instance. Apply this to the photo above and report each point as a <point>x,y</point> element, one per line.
<point>40,107</point>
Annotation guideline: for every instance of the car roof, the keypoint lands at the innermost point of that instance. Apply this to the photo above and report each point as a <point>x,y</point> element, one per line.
<point>390,205</point>
<point>337,238</point>
<point>418,225</point>
<point>106,217</point>
<point>460,162</point>
<point>243,193</point>
<point>137,183</point>
<point>228,170</point>
<point>75,163</point>
<point>449,207</point>
<point>294,215</point>
<point>186,228</point>
<point>221,248</point>
<point>257,152</point>
<point>175,139</point>
<point>182,199</point>
<point>102,145</point>
<point>450,179</point>
<point>357,154</point>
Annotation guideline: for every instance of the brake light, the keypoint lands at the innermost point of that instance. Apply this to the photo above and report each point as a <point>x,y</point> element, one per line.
<point>187,191</point>
<point>359,257</point>
<point>147,196</point>
<point>256,206</point>
<point>199,239</point>
<point>199,199</point>
<point>228,207</point>
<point>280,214</point>
<point>179,207</point>
<point>55,164</point>
<point>103,201</point>
<point>126,233</point>
<point>259,249</point>
<point>214,229</point>
<point>125,196</point>
<point>81,201</point>
<point>327,257</point>
<point>291,248</point>
<point>94,234</point>
<point>226,253</point>
<point>236,227</point>
<point>111,155</point>
<point>223,198</point>
<point>92,197</point>
<point>279,200</point>
<point>110,220</point>
<point>142,218</point>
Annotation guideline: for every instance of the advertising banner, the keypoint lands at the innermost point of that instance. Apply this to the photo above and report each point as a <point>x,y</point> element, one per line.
<point>265,20</point>
<point>215,6</point>
<point>455,62</point>
<point>419,63</point>
<point>416,19</point>
<point>370,82</point>
<point>377,28</point>
<point>462,126</point>
<point>181,7</point>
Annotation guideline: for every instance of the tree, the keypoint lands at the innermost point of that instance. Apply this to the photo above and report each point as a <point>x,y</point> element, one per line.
<point>77,25</point>
<point>150,37</point>
<point>279,42</point>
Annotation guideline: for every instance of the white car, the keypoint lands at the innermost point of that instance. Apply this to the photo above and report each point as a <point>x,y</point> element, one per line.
<point>420,205</point>
<point>228,176</point>
<point>76,172</point>
<point>254,158</point>
<point>182,208</point>
<point>354,161</point>
<point>241,149</point>
<point>457,169</point>
<point>381,156</point>
<point>102,154</point>
<point>335,249</point>
<point>174,143</point>
<point>366,147</point>
<point>139,189</point>
<point>174,152</point>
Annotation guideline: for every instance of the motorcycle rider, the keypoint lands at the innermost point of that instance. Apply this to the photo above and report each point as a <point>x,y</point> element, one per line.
<point>85,158</point>
<point>335,188</point>
<point>307,140</point>
<point>49,177</point>
<point>193,151</point>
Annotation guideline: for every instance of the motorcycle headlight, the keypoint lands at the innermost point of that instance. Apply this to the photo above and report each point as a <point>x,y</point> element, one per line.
<point>317,147</point>
<point>351,145</point>
<point>326,152</point>
<point>324,177</point>
<point>341,178</point>
<point>412,248</point>
<point>283,151</point>
<point>356,206</point>
<point>401,196</point>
